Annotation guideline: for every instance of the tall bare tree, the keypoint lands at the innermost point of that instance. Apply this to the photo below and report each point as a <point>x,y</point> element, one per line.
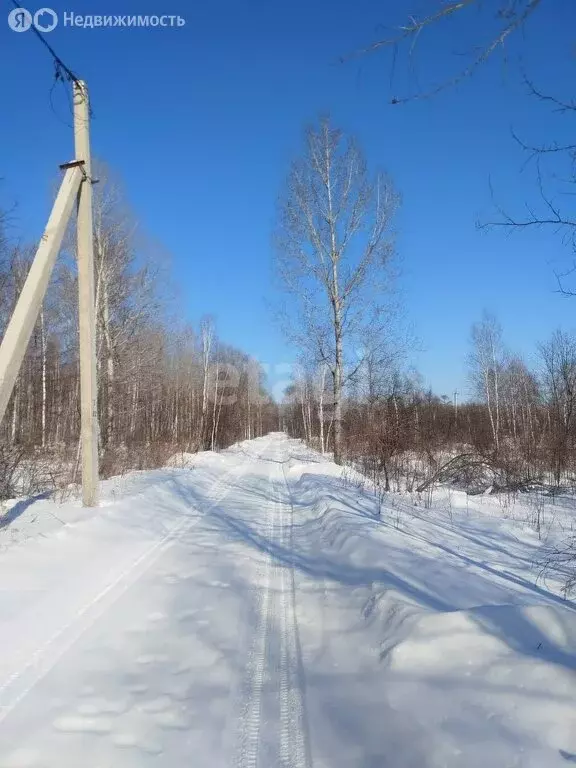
<point>333,244</point>
<point>206,339</point>
<point>486,363</point>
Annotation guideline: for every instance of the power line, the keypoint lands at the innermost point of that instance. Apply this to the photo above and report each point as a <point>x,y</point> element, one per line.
<point>60,66</point>
<point>62,72</point>
<point>58,79</point>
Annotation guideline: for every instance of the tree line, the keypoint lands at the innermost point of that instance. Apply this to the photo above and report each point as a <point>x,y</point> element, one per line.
<point>352,395</point>
<point>163,385</point>
<point>522,421</point>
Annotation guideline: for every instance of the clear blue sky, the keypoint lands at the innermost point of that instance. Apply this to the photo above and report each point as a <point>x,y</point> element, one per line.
<point>201,123</point>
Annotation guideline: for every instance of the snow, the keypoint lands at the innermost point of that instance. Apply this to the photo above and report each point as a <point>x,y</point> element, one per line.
<point>248,608</point>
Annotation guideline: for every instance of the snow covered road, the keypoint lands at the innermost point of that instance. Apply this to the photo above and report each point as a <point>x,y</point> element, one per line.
<point>249,612</point>
<point>160,634</point>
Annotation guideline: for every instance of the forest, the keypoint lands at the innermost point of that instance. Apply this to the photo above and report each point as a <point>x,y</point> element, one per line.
<point>163,386</point>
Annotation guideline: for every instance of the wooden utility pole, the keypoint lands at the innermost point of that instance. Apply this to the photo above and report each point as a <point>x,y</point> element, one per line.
<point>86,309</point>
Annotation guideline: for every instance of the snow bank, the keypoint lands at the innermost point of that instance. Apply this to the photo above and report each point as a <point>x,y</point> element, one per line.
<point>26,519</point>
<point>182,460</point>
<point>495,685</point>
<point>473,656</point>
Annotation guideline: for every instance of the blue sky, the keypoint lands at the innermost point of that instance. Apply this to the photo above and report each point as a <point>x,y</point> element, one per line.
<point>201,123</point>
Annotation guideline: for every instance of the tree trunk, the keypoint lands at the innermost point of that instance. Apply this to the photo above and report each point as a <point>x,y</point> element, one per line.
<point>338,366</point>
<point>338,415</point>
<point>212,441</point>
<point>321,409</point>
<point>206,344</point>
<point>15,409</point>
<point>490,409</point>
<point>109,428</point>
<point>338,399</point>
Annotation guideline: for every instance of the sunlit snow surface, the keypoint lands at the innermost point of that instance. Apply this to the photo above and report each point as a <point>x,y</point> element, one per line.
<point>247,609</point>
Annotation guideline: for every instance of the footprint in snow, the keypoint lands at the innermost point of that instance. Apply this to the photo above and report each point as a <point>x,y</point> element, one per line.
<point>131,741</point>
<point>152,658</point>
<point>103,707</point>
<point>172,720</point>
<point>79,724</point>
<point>178,691</point>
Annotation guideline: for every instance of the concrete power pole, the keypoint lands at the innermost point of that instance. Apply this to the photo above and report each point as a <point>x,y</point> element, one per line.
<point>86,309</point>
<point>76,185</point>
<point>21,325</point>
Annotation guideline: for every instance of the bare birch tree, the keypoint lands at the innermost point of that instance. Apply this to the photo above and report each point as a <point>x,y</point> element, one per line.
<point>333,243</point>
<point>486,362</point>
<point>206,339</point>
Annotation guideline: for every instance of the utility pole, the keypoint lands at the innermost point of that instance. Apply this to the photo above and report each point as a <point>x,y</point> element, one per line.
<point>86,309</point>
<point>456,393</point>
<point>76,185</point>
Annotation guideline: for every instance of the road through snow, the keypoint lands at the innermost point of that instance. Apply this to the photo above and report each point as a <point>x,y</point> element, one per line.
<point>248,611</point>
<point>169,644</point>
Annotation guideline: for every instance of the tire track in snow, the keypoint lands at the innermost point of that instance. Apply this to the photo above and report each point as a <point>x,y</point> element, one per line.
<point>256,667</point>
<point>94,608</point>
<point>295,742</point>
<point>285,749</point>
<point>272,723</point>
